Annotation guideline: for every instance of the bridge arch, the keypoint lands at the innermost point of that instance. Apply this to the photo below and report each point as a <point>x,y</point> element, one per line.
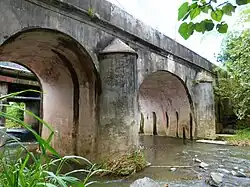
<point>69,80</point>
<point>166,96</point>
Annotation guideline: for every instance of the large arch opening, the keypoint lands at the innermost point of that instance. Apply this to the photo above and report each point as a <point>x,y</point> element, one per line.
<point>166,95</point>
<point>69,81</point>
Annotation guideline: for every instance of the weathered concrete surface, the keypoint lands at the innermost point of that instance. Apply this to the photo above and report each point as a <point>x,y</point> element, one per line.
<point>205,106</point>
<point>60,43</point>
<point>117,127</point>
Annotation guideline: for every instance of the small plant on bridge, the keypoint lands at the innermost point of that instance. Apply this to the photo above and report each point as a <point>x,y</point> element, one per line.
<point>23,168</point>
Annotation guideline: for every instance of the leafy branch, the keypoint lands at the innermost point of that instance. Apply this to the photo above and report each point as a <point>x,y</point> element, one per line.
<point>214,11</point>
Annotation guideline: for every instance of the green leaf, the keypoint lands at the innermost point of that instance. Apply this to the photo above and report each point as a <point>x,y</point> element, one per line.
<point>205,25</point>
<point>222,27</point>
<point>209,25</point>
<point>193,6</point>
<point>183,30</point>
<point>195,12</point>
<point>183,10</point>
<point>186,30</point>
<point>186,16</point>
<point>205,9</point>
<point>203,2</point>
<point>200,27</point>
<point>56,178</point>
<point>242,2</point>
<point>217,15</point>
<point>228,9</point>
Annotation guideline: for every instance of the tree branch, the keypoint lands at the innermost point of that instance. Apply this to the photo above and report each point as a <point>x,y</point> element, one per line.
<point>222,4</point>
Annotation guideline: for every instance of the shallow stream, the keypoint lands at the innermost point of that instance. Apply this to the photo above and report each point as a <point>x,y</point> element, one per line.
<point>163,152</point>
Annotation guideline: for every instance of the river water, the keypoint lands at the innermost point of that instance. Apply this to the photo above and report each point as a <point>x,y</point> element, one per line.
<point>163,152</point>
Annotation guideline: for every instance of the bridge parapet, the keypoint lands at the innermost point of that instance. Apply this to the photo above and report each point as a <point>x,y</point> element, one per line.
<point>112,18</point>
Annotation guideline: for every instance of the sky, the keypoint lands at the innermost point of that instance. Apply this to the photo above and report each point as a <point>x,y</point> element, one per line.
<point>162,15</point>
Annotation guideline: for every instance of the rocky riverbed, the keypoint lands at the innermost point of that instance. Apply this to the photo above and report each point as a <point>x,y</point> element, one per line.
<point>175,163</point>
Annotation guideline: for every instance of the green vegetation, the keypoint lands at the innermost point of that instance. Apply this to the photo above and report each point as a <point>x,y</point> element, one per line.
<point>125,165</point>
<point>91,12</point>
<point>23,168</point>
<point>234,84</point>
<point>241,138</point>
<point>13,110</point>
<point>211,14</point>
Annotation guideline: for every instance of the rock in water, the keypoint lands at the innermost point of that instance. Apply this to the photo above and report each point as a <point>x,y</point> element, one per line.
<point>197,160</point>
<point>172,169</point>
<point>238,173</point>
<point>215,179</point>
<point>144,182</point>
<point>236,168</point>
<point>222,170</point>
<point>148,164</point>
<point>203,165</point>
<point>242,170</point>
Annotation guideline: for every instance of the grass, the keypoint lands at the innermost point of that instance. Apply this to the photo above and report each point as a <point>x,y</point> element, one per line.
<point>23,168</point>
<point>241,138</point>
<point>125,165</point>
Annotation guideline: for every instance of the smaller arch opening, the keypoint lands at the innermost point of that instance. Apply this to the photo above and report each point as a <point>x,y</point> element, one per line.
<point>18,78</point>
<point>166,94</point>
<point>177,124</point>
<point>191,126</point>
<point>154,124</point>
<point>141,131</point>
<point>167,120</point>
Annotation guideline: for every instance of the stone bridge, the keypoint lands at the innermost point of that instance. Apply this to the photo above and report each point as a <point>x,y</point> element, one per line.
<point>106,76</point>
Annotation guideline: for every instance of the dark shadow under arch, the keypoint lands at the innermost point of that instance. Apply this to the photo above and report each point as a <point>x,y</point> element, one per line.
<point>167,120</point>
<point>177,124</point>
<point>154,124</point>
<point>141,130</point>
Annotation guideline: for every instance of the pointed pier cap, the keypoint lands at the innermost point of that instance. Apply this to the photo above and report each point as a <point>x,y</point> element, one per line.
<point>117,46</point>
<point>204,77</point>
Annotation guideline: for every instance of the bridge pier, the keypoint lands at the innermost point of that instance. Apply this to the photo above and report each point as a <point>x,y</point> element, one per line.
<point>34,107</point>
<point>205,106</point>
<point>118,132</point>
